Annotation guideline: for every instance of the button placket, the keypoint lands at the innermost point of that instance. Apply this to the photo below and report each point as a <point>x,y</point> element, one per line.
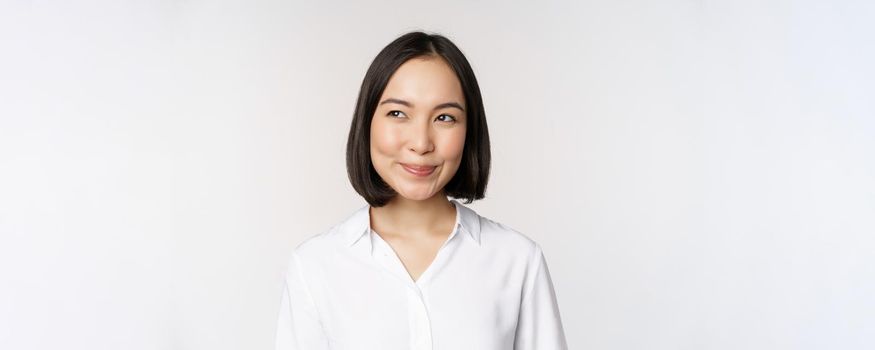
<point>420,326</point>
<point>418,318</point>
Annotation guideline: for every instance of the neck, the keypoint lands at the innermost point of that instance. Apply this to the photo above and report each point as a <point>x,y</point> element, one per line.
<point>413,218</point>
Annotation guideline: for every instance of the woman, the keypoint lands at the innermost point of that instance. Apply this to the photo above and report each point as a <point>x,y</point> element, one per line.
<point>414,269</point>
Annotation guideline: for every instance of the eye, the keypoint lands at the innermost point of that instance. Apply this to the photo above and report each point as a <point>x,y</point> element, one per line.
<point>452,118</point>
<point>394,113</point>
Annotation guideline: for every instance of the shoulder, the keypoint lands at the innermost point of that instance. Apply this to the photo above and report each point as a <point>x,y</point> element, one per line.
<point>491,233</point>
<point>318,244</point>
<point>341,233</point>
<point>501,236</point>
<point>312,253</point>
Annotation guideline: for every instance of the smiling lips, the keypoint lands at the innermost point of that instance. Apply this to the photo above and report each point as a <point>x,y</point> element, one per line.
<point>419,170</point>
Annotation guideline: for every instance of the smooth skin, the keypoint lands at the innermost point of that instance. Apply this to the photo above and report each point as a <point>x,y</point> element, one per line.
<point>419,120</point>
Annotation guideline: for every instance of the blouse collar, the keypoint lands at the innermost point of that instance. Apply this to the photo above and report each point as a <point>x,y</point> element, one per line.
<point>359,223</point>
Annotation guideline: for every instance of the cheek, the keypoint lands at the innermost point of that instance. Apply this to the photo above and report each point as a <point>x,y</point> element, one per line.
<point>384,140</point>
<point>453,145</point>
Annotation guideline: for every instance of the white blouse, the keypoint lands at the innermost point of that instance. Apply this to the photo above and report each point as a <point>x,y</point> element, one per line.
<point>488,288</point>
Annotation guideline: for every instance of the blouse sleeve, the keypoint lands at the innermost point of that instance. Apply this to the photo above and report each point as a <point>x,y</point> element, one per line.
<point>298,324</point>
<point>540,325</point>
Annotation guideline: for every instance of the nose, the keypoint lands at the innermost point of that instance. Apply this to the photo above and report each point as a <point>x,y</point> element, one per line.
<point>420,140</point>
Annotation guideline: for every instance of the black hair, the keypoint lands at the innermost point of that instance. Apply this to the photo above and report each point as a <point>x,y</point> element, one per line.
<point>469,182</point>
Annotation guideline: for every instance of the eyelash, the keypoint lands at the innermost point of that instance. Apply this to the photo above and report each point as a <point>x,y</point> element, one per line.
<point>391,114</point>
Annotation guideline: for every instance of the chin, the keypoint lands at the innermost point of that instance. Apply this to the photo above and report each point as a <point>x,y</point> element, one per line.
<point>415,195</point>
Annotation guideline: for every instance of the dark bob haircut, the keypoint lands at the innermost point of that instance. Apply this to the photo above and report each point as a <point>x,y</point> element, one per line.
<point>469,182</point>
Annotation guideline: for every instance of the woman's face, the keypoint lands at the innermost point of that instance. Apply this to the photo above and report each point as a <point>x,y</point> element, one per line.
<point>418,128</point>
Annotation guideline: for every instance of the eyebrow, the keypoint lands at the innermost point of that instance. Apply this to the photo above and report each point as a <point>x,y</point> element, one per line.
<point>408,104</point>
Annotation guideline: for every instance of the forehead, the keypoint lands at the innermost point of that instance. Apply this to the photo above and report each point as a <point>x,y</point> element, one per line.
<point>428,81</point>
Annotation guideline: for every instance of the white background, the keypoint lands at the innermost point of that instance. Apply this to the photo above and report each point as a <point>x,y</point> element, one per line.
<point>700,174</point>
